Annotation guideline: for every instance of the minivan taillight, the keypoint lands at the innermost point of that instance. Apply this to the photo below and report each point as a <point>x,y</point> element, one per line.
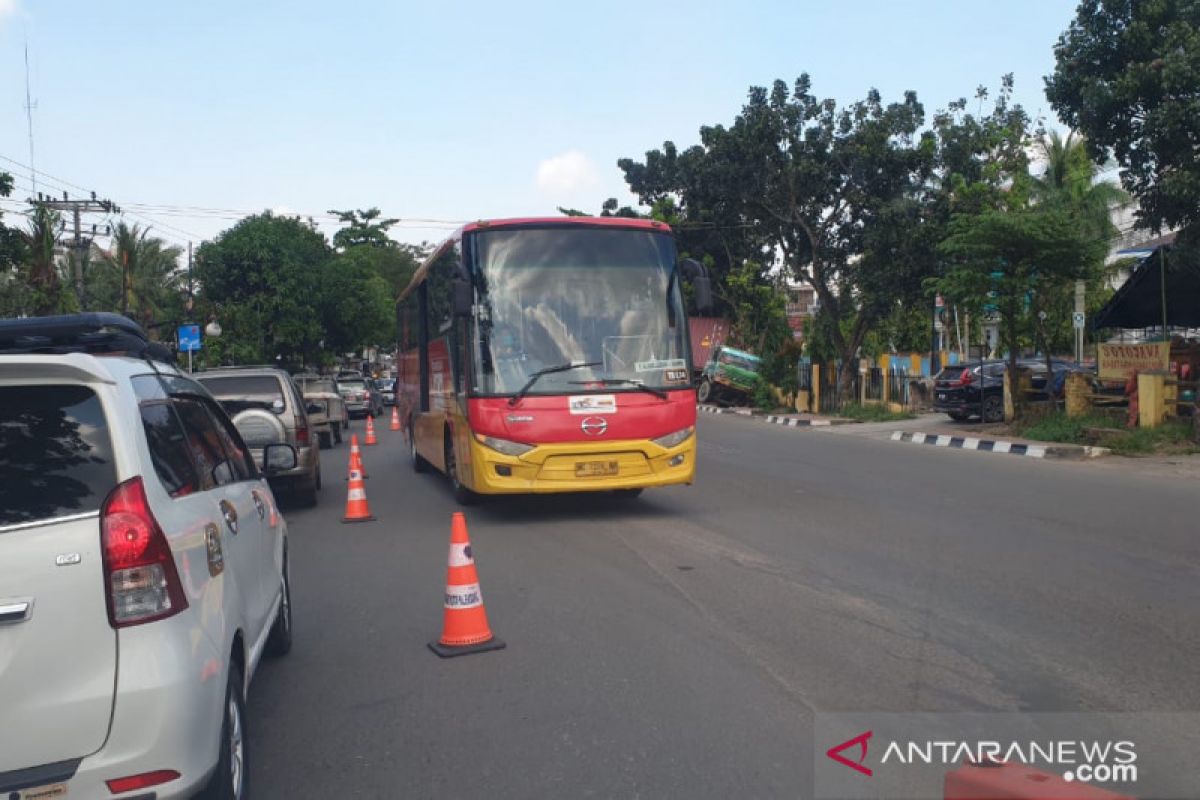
<point>139,569</point>
<point>302,432</point>
<point>966,378</point>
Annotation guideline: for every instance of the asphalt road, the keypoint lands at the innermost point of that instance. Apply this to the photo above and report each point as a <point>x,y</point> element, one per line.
<point>677,645</point>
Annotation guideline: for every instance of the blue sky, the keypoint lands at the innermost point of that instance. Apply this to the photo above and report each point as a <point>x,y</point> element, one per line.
<point>448,111</point>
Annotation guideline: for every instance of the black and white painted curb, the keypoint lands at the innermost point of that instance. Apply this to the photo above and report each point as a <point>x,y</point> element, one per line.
<point>790,422</point>
<point>999,446</point>
<point>798,422</point>
<point>713,409</point>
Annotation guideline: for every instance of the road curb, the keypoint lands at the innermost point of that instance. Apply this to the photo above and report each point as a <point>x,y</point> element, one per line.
<point>796,422</point>
<point>775,419</point>
<point>1001,446</point>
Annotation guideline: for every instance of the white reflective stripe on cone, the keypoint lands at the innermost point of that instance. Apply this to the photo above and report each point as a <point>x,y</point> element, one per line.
<point>460,555</point>
<point>467,596</point>
<point>356,494</point>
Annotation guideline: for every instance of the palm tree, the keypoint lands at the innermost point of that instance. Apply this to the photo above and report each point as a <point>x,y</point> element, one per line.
<point>1069,181</point>
<point>1070,178</point>
<point>150,278</point>
<point>44,281</point>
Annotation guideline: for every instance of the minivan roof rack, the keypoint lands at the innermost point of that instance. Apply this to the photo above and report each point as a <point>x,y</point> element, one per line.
<point>96,332</point>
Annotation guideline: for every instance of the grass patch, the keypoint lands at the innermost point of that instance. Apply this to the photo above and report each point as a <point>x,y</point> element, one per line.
<point>873,413</point>
<point>1172,438</point>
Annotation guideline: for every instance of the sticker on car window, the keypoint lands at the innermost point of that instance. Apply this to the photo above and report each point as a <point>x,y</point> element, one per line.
<point>657,364</point>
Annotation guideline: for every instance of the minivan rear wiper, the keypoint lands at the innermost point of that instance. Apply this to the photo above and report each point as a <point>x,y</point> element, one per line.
<point>516,398</point>
<point>627,382</point>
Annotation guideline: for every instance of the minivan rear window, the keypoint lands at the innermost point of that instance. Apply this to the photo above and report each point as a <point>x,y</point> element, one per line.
<point>56,457</point>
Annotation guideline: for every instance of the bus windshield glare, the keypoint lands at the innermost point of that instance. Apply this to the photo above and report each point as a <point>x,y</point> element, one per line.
<point>549,297</point>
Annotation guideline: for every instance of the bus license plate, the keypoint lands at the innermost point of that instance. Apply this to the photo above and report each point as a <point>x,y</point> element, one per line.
<point>593,469</point>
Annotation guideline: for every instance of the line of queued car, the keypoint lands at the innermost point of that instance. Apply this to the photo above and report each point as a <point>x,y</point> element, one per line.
<point>144,568</point>
<point>143,556</point>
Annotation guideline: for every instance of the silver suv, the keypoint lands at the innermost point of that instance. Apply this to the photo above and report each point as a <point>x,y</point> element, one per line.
<point>143,569</point>
<point>267,408</point>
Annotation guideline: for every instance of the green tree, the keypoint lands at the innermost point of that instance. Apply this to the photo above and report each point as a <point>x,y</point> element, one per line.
<point>367,227</point>
<point>796,179</point>
<point>45,294</point>
<point>1022,254</point>
<point>357,302</point>
<point>1125,76</point>
<point>12,260</point>
<point>140,277</point>
<point>1069,180</point>
<point>262,280</point>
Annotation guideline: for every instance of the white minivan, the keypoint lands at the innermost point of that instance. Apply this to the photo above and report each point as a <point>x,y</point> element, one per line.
<point>143,569</point>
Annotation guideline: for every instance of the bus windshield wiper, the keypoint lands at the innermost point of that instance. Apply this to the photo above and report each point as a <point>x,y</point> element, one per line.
<point>627,382</point>
<point>516,398</point>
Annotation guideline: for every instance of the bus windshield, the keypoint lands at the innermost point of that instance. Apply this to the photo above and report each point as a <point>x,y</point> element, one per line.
<point>550,297</point>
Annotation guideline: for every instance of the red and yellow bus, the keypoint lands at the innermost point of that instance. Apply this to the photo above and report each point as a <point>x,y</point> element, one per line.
<point>550,355</point>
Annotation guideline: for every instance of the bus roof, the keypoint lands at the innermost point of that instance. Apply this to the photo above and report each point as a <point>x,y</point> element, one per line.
<point>602,222</point>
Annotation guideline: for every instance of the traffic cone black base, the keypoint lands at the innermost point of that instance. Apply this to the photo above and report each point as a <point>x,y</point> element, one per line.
<point>347,521</point>
<point>446,651</point>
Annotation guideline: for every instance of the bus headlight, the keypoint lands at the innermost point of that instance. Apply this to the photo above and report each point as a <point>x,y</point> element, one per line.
<point>504,445</point>
<point>674,439</point>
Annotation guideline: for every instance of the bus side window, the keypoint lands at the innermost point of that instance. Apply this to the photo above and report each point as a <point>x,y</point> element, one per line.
<point>439,282</point>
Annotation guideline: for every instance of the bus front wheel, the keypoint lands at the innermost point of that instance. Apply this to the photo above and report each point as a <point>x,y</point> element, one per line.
<point>462,494</point>
<point>418,464</point>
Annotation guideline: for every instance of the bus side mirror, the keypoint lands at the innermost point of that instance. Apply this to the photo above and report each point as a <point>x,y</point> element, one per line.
<point>701,285</point>
<point>703,288</point>
<point>463,299</point>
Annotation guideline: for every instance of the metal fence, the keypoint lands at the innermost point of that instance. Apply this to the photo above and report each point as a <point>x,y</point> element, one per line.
<point>899,387</point>
<point>830,402</point>
<point>875,385</point>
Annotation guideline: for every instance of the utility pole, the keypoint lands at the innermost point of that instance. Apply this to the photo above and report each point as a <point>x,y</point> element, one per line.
<point>80,244</point>
<point>189,279</point>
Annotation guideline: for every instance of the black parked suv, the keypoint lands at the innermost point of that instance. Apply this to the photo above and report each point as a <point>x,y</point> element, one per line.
<point>957,389</point>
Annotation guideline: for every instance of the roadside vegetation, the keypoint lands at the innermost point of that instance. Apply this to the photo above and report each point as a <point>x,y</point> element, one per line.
<point>873,413</point>
<point>1175,437</point>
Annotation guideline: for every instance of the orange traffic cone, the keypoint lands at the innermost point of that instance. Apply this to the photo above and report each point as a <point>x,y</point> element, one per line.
<point>464,621</point>
<point>370,431</point>
<point>357,509</point>
<point>356,462</point>
<point>395,418</point>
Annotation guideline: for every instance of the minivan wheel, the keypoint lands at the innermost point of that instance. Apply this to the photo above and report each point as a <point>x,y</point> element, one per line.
<point>279,641</point>
<point>230,781</point>
<point>704,392</point>
<point>337,432</point>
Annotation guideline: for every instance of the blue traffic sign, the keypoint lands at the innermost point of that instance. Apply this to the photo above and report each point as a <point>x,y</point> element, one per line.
<point>189,338</point>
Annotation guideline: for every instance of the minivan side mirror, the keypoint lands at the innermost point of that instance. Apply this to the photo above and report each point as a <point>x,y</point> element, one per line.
<point>278,458</point>
<point>464,298</point>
